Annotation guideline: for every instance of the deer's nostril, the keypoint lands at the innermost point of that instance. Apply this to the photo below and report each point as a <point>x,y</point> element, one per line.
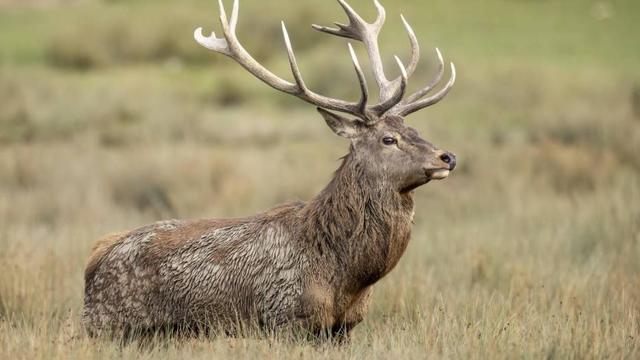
<point>450,159</point>
<point>446,158</point>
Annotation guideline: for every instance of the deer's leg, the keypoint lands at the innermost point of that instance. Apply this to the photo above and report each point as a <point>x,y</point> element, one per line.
<point>352,317</point>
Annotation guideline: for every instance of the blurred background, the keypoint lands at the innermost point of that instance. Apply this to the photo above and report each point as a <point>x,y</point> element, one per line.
<point>111,117</point>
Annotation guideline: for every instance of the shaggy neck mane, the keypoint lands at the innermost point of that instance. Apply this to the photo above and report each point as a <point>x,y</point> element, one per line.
<point>359,222</point>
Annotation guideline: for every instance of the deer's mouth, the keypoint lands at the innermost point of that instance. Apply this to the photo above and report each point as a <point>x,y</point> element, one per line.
<point>437,174</point>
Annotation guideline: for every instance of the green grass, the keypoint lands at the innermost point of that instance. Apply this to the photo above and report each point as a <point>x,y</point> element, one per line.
<point>111,117</point>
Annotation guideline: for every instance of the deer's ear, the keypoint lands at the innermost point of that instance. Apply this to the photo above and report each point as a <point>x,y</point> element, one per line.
<point>340,125</point>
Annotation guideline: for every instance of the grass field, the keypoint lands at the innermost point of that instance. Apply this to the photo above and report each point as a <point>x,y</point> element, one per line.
<point>112,117</point>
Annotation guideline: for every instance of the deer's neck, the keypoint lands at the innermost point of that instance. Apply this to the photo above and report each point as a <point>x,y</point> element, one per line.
<point>359,222</point>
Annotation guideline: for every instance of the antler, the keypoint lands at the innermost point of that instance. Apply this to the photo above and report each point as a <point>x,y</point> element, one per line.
<point>231,47</point>
<point>367,33</point>
<point>391,92</point>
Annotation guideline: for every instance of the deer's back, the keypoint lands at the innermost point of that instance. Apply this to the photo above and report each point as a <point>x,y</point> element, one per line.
<point>193,272</point>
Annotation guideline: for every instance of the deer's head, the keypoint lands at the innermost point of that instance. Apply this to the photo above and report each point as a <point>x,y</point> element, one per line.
<point>377,132</point>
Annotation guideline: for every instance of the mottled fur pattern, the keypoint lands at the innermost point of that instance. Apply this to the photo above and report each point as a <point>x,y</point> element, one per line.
<point>303,264</point>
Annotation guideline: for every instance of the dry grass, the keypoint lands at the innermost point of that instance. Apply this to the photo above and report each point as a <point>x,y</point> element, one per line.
<point>530,250</point>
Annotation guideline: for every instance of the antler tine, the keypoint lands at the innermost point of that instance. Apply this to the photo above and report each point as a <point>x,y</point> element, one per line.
<point>214,43</point>
<point>211,42</point>
<point>382,15</point>
<point>341,31</point>
<point>424,91</point>
<point>362,79</point>
<point>292,61</point>
<point>234,15</point>
<point>412,107</point>
<point>415,47</point>
<point>357,26</point>
<point>354,19</point>
<point>415,53</point>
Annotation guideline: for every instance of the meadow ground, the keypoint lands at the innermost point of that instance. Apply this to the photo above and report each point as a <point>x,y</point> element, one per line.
<point>111,117</point>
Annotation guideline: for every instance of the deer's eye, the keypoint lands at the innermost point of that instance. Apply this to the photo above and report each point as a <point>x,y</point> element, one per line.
<point>388,140</point>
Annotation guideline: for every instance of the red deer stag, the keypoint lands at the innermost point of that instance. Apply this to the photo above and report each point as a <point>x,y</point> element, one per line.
<point>309,264</point>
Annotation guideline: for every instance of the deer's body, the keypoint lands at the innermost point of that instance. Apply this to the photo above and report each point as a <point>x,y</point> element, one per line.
<point>300,264</point>
<point>310,264</point>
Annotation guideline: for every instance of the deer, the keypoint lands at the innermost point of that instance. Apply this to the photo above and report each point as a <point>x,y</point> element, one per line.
<point>309,265</point>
